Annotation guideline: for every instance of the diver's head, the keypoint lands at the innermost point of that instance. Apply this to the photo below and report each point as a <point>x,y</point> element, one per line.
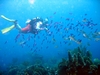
<point>45,22</point>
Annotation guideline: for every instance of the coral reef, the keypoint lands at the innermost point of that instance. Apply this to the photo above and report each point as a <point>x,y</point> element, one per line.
<point>96,61</point>
<point>13,71</point>
<point>36,70</point>
<point>79,63</point>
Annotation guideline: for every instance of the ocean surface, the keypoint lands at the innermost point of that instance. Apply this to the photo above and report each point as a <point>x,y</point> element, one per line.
<point>72,24</point>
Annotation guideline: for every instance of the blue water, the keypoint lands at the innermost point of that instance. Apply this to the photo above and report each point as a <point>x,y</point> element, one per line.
<point>57,11</point>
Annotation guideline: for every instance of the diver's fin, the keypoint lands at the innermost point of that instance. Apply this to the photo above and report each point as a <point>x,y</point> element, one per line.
<point>5,30</point>
<point>7,18</point>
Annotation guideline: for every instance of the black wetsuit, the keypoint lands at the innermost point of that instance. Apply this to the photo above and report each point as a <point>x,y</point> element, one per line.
<point>33,24</point>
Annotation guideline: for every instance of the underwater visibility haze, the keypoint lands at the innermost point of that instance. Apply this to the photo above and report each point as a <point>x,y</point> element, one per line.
<point>72,47</point>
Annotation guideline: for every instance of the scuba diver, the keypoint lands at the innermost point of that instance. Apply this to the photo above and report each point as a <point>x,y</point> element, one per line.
<point>32,25</point>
